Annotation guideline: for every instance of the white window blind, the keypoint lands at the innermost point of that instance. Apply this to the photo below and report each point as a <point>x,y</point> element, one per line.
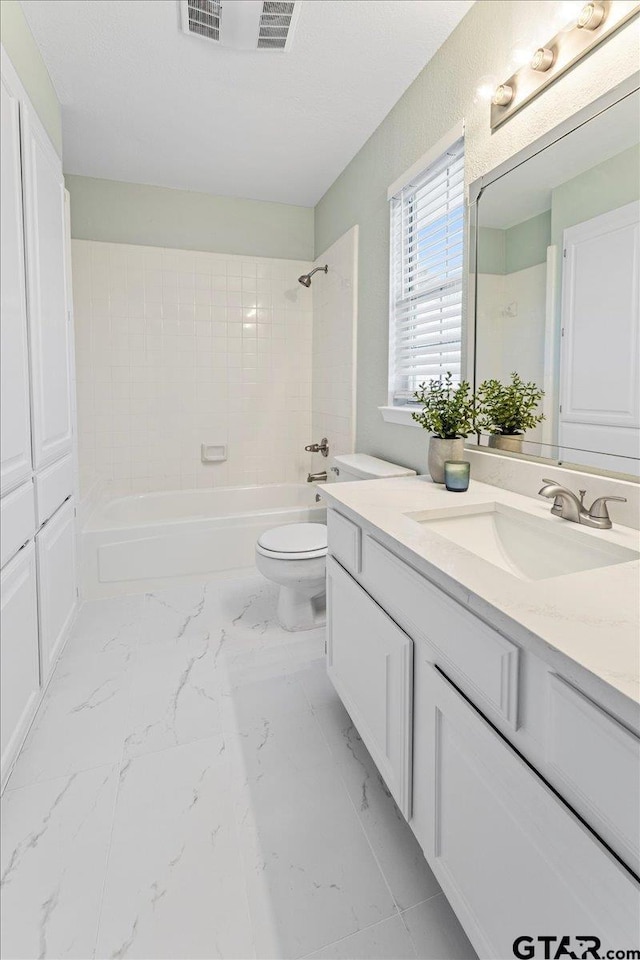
<point>427,224</point>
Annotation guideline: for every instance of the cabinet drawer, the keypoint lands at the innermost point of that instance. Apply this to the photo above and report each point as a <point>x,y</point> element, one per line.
<point>512,859</point>
<point>597,762</point>
<point>17,520</point>
<point>345,541</point>
<point>53,485</point>
<point>370,663</point>
<point>482,660</point>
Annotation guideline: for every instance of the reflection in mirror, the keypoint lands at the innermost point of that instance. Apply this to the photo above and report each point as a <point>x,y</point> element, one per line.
<point>557,296</point>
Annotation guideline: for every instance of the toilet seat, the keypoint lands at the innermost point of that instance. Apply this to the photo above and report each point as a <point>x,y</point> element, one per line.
<point>294,541</point>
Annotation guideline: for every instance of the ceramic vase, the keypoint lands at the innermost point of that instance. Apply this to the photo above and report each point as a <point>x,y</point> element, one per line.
<point>441,450</point>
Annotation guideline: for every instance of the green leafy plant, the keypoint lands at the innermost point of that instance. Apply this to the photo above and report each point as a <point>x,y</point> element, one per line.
<point>508,409</point>
<point>447,409</point>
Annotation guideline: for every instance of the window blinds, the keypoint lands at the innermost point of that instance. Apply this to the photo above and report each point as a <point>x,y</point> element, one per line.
<point>427,224</point>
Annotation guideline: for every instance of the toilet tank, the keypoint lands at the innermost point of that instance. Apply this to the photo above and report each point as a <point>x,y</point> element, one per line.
<point>360,466</point>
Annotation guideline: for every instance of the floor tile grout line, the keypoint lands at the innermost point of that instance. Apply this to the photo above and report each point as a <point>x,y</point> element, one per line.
<point>369,926</point>
<point>353,806</point>
<point>116,792</point>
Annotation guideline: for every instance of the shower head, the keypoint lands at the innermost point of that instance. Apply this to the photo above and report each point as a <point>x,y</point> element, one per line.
<point>305,279</point>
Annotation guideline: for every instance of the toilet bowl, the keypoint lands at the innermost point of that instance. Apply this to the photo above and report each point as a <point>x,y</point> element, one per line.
<point>294,555</point>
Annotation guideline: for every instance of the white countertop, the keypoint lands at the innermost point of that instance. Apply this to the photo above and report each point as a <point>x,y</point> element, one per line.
<point>589,619</point>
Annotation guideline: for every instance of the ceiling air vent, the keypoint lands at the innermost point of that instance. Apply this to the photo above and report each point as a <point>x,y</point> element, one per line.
<point>242,24</point>
<point>275,23</point>
<point>203,18</point>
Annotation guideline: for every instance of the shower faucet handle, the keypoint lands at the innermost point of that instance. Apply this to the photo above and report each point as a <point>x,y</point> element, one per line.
<point>322,447</point>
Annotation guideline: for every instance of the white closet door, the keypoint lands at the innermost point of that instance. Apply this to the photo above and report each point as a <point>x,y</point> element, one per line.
<point>19,676</point>
<point>55,548</point>
<point>48,318</point>
<point>600,355</point>
<point>15,430</point>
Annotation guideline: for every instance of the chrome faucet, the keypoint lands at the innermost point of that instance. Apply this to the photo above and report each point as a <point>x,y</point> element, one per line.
<point>317,477</point>
<point>569,507</point>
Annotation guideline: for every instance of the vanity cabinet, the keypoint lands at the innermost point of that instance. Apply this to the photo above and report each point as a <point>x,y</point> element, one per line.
<point>510,856</point>
<point>522,792</point>
<point>370,662</point>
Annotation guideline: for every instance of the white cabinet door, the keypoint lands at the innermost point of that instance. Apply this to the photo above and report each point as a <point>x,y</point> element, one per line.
<point>15,429</point>
<point>48,319</point>
<point>510,856</point>
<point>370,662</point>
<point>55,547</point>
<point>19,675</point>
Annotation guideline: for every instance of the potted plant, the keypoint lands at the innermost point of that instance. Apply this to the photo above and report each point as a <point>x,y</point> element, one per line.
<point>447,413</point>
<point>508,410</point>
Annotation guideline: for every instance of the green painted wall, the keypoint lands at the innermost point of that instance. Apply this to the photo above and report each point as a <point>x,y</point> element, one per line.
<point>118,212</point>
<point>526,243</point>
<point>18,41</point>
<point>521,246</point>
<point>443,94</point>
<point>609,185</point>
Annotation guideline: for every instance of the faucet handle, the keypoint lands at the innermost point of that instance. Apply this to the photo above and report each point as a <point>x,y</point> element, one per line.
<point>599,509</point>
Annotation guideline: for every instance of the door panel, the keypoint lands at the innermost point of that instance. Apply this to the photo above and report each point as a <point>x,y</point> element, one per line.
<point>510,856</point>
<point>370,662</point>
<point>15,428</point>
<point>19,675</point>
<point>55,546</point>
<point>48,318</point>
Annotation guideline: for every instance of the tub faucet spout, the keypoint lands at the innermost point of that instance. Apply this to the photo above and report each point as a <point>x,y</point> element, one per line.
<point>317,477</point>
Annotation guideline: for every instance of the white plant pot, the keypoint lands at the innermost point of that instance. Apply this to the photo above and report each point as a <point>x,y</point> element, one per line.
<point>441,450</point>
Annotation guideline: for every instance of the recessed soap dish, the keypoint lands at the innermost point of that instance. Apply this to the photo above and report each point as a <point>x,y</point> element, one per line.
<point>213,452</point>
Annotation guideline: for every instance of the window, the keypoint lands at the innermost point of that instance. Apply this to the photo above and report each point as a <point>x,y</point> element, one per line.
<point>427,230</point>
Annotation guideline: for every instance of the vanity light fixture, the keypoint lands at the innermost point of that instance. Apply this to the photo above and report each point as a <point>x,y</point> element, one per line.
<point>542,60</point>
<point>593,23</point>
<point>591,16</point>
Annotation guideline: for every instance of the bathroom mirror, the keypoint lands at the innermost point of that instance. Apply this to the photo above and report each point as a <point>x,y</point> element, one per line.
<point>555,287</point>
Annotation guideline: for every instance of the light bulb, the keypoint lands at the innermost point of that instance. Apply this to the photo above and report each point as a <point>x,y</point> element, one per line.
<point>503,95</point>
<point>542,59</point>
<point>591,16</point>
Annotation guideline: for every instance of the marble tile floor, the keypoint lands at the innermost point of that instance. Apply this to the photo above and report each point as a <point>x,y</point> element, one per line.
<point>192,787</point>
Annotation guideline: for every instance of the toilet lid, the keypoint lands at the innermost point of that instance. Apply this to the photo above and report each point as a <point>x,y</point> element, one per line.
<point>295,539</point>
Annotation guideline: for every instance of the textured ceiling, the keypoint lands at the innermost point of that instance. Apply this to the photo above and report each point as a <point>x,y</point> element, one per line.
<point>145,103</point>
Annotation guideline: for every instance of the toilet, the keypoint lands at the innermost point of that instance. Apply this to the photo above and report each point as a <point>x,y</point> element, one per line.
<point>294,555</point>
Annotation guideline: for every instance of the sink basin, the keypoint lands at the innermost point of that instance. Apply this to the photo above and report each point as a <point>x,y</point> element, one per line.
<point>526,546</point>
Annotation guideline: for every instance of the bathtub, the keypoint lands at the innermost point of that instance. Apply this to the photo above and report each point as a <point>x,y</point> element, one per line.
<point>136,543</point>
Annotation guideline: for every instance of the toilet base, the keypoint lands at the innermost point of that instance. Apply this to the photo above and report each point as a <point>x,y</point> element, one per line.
<point>299,612</point>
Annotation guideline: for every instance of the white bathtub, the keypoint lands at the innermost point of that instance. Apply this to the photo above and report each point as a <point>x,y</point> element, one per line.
<point>136,543</point>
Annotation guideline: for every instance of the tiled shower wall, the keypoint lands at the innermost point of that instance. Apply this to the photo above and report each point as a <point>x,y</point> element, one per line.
<point>334,347</point>
<point>177,348</point>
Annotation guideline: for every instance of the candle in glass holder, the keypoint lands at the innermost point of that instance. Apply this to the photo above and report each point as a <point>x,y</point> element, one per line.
<point>456,475</point>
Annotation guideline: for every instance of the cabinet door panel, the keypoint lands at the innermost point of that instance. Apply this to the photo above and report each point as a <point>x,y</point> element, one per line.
<point>15,429</point>
<point>19,676</point>
<point>370,662</point>
<point>511,857</point>
<point>48,320</point>
<point>55,545</point>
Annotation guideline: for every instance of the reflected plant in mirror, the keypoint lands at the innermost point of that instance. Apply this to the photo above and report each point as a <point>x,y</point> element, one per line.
<point>448,414</point>
<point>507,411</point>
